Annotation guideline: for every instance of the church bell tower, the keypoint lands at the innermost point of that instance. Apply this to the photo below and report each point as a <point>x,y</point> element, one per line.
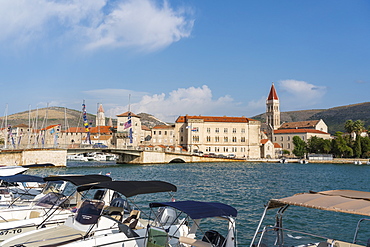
<point>273,109</point>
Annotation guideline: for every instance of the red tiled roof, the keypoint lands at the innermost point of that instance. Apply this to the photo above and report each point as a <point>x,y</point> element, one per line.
<point>125,114</point>
<point>184,119</point>
<point>272,94</point>
<point>97,130</point>
<point>264,141</point>
<point>163,127</point>
<point>292,131</point>
<point>301,124</point>
<point>50,127</point>
<point>143,127</point>
<point>276,145</point>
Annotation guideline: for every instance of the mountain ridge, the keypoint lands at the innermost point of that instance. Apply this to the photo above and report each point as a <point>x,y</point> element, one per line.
<point>334,117</point>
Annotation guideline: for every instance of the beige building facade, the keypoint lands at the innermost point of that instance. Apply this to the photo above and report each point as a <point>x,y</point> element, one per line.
<point>163,135</point>
<point>284,137</point>
<point>239,136</point>
<point>129,130</point>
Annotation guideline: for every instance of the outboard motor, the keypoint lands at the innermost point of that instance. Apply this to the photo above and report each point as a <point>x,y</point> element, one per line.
<point>166,216</point>
<point>214,238</point>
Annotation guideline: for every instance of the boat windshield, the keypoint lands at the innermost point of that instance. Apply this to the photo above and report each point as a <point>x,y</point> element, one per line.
<point>52,199</point>
<point>89,212</point>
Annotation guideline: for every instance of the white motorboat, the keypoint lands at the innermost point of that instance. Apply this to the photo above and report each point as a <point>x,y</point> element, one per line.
<point>77,157</point>
<point>198,212</point>
<point>51,209</point>
<point>12,170</point>
<point>343,201</point>
<point>115,225</point>
<point>21,188</point>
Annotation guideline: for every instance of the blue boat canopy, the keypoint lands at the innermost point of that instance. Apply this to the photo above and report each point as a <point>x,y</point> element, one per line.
<point>199,210</point>
<point>22,178</point>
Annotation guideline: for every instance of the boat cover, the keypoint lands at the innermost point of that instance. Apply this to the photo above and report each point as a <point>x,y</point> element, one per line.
<point>132,188</point>
<point>80,179</point>
<point>199,210</point>
<point>345,201</point>
<point>22,178</point>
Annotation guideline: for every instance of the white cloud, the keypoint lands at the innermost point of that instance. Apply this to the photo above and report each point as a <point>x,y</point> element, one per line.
<point>192,101</point>
<point>144,24</point>
<point>300,94</point>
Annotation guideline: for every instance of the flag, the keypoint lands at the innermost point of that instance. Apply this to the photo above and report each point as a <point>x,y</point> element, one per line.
<point>188,127</point>
<point>52,131</point>
<point>194,129</point>
<point>127,124</point>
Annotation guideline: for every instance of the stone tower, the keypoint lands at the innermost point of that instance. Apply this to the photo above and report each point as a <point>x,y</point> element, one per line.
<point>100,116</point>
<point>273,109</point>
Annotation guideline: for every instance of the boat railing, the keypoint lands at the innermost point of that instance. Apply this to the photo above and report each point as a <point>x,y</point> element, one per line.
<point>278,236</point>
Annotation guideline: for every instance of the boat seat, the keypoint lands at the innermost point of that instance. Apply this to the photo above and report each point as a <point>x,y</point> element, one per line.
<point>34,214</point>
<point>133,219</point>
<point>194,242</point>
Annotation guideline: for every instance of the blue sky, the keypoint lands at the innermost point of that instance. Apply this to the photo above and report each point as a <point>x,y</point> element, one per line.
<point>196,57</point>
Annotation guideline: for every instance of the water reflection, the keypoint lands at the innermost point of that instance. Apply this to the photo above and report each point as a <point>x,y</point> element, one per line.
<point>245,186</point>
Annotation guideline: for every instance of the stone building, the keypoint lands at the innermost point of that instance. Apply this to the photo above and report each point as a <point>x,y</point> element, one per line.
<point>100,116</point>
<point>129,130</point>
<point>163,134</point>
<point>285,136</point>
<point>219,135</point>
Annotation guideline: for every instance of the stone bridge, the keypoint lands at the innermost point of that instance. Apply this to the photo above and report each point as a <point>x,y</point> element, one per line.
<point>141,156</point>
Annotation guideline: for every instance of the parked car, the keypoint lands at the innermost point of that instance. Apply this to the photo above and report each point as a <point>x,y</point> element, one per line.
<point>99,145</point>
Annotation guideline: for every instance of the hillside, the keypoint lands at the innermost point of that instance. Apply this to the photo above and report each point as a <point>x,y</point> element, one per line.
<point>333,117</point>
<point>66,117</point>
<point>40,118</point>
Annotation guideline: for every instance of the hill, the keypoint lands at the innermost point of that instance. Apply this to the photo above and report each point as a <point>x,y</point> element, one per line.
<point>333,117</point>
<point>43,117</point>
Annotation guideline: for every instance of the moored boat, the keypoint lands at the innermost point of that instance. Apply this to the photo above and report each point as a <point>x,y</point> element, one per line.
<point>343,201</point>
<point>96,223</point>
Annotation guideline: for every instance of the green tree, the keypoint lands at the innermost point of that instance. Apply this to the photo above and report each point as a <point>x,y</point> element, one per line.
<point>299,147</point>
<point>348,126</point>
<point>357,147</point>
<point>365,147</point>
<point>340,147</point>
<point>318,145</point>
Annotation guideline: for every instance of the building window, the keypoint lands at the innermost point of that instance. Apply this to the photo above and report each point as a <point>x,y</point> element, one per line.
<point>217,130</point>
<point>226,139</point>
<point>217,139</point>
<point>181,130</point>
<point>181,138</point>
<point>159,132</point>
<point>195,138</point>
<point>282,138</point>
<point>234,139</point>
<point>165,133</point>
<point>243,130</point>
<point>226,149</point>
<point>282,145</point>
<point>154,132</point>
<point>275,138</point>
<point>288,138</point>
<point>242,139</point>
<point>208,138</point>
<point>234,130</point>
<point>225,130</point>
<point>208,130</point>
<point>288,145</point>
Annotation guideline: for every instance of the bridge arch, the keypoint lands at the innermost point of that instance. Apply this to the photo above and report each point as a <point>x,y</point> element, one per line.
<point>177,160</point>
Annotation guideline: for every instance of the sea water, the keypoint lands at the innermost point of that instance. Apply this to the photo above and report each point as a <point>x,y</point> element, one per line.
<point>245,186</point>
